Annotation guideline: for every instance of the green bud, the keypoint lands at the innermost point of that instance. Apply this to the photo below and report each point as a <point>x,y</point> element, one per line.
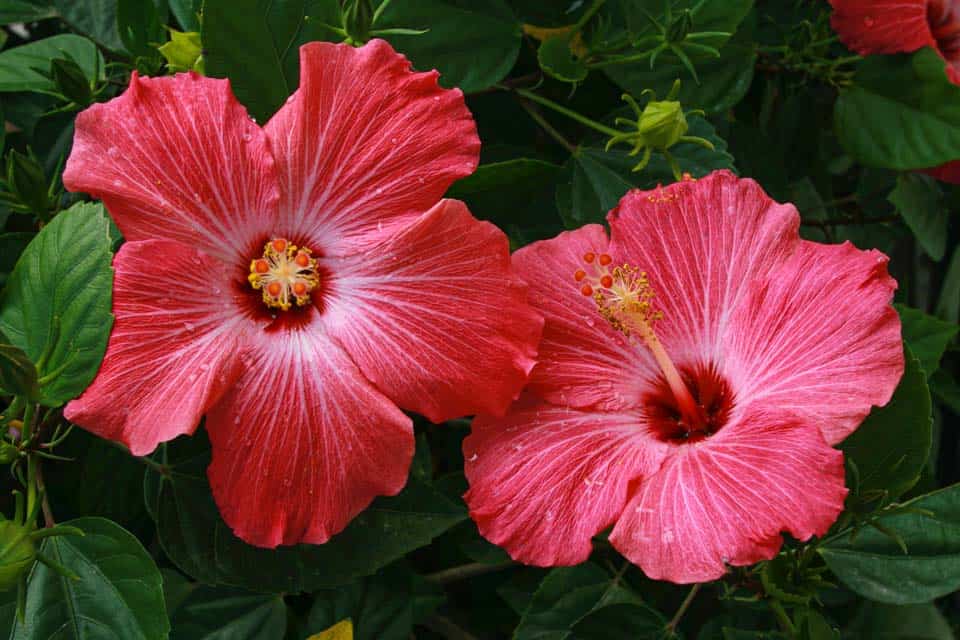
<point>71,81</point>
<point>26,181</point>
<point>17,553</point>
<point>358,20</point>
<point>662,124</point>
<point>680,27</point>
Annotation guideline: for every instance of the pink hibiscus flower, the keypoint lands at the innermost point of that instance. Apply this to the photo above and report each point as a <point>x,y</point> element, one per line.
<point>903,26</point>
<point>698,422</point>
<point>299,284</point>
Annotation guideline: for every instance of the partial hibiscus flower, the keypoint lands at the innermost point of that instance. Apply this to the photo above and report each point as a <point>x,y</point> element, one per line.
<point>695,370</point>
<point>298,284</point>
<point>903,26</point>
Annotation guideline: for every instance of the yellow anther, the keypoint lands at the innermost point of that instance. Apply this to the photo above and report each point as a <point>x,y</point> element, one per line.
<point>286,274</point>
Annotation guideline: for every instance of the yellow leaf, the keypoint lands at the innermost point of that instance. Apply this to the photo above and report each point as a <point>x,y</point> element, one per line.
<point>343,630</point>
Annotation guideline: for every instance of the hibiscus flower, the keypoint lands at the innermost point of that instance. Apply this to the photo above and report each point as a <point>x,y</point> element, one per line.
<point>695,369</point>
<point>903,26</point>
<point>298,284</point>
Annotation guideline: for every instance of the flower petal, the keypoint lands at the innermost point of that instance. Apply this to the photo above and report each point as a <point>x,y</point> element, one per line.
<point>726,499</point>
<point>949,172</point>
<point>702,242</point>
<point>303,443</point>
<point>882,26</point>
<point>582,361</point>
<point>172,351</point>
<point>177,158</point>
<point>545,479</point>
<point>435,318</point>
<point>819,337</point>
<point>365,145</point>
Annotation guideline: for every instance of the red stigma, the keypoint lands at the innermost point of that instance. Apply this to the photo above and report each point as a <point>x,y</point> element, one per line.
<point>261,266</point>
<point>589,257</point>
<point>279,245</point>
<point>586,290</point>
<point>302,260</point>
<point>606,281</point>
<point>579,275</point>
<point>605,259</point>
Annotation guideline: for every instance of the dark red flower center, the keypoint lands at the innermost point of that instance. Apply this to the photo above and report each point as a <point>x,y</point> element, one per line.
<point>285,274</point>
<point>943,16</point>
<point>713,397</point>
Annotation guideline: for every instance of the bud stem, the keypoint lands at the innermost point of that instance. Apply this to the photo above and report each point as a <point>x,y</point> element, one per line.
<point>573,115</point>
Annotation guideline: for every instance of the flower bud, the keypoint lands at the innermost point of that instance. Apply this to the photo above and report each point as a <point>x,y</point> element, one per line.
<point>662,124</point>
<point>17,553</point>
<point>357,20</point>
<point>71,82</point>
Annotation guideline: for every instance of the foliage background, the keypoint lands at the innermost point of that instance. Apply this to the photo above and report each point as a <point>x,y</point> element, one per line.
<point>783,102</point>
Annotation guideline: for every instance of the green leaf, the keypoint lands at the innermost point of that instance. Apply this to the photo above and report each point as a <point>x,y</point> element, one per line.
<point>197,540</point>
<point>891,447</point>
<point>186,12</point>
<point>566,596</point>
<point>219,613</point>
<point>622,620</point>
<point>901,112</point>
<point>926,335</point>
<point>140,23</point>
<point>18,376</point>
<point>22,68</point>
<point>119,593</point>
<point>256,44</point>
<point>919,199</point>
<point>176,588</point>
<point>596,180</point>
<point>724,81</point>
<point>874,566</point>
<point>94,18</point>
<point>25,11</point>
<point>948,306</point>
<point>56,304</point>
<point>876,621</point>
<point>184,51</point>
<point>556,59</point>
<point>380,606</point>
<point>813,626</point>
<point>473,43</point>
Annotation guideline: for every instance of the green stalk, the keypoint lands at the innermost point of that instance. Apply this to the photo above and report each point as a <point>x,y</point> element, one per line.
<point>25,436</point>
<point>573,115</point>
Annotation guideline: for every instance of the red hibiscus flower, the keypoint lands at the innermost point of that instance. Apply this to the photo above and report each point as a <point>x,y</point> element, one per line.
<point>697,421</point>
<point>299,284</point>
<point>903,26</point>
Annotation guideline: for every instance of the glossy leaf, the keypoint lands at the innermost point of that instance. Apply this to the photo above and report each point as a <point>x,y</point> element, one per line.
<point>197,540</point>
<point>948,306</point>
<point>18,376</point>
<point>56,304</point>
<point>256,44</point>
<point>622,620</point>
<point>919,199</point>
<point>901,112</point>
<point>94,18</point>
<point>876,621</point>
<point>119,593</point>
<point>381,606</point>
<point>26,68</point>
<point>874,566</point>
<point>473,43</point>
<point>926,335</point>
<point>25,11</point>
<point>223,613</point>
<point>891,447</point>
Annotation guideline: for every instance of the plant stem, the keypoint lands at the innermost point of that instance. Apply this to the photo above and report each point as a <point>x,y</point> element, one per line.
<point>573,115</point>
<point>25,436</point>
<point>48,520</point>
<point>678,616</point>
<point>783,618</point>
<point>447,628</point>
<point>465,571</point>
<point>547,127</point>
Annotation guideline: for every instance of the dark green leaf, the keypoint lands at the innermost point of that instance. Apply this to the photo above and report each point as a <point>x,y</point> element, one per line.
<point>919,199</point>
<point>948,306</point>
<point>901,112</point>
<point>201,544</point>
<point>119,593</point>
<point>473,43</point>
<point>597,179</point>
<point>176,588</point>
<point>256,44</point>
<point>25,11</point>
<point>95,18</point>
<point>623,620</point>
<point>140,24</point>
<point>380,606</point>
<point>56,305</point>
<point>186,12</point>
<point>23,68</point>
<point>558,60</point>
<point>221,613</point>
<point>874,566</point>
<point>926,335</point>
<point>891,447</point>
<point>876,621</point>
<point>566,596</point>
<point>18,376</point>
